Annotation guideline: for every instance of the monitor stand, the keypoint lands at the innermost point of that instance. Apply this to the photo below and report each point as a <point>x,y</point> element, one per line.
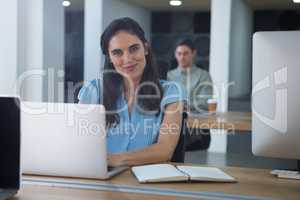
<point>288,174</point>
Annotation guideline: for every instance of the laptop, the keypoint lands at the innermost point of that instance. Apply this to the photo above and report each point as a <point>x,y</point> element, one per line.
<point>9,146</point>
<point>65,140</point>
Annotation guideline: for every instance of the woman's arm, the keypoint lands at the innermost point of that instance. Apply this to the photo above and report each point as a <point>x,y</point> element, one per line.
<point>161,151</point>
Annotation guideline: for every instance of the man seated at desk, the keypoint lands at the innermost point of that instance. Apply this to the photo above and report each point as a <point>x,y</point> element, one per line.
<point>198,85</point>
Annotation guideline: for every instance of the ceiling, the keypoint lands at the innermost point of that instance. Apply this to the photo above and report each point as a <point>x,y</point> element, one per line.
<point>200,5</point>
<point>164,5</point>
<point>197,5</point>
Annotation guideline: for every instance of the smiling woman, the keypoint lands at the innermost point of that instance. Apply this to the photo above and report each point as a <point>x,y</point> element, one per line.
<point>143,114</point>
<point>127,54</point>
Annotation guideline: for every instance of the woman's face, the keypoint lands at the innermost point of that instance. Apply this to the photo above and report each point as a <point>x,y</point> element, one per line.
<point>127,53</point>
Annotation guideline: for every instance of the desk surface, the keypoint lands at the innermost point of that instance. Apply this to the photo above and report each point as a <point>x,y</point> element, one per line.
<point>252,184</point>
<point>228,121</point>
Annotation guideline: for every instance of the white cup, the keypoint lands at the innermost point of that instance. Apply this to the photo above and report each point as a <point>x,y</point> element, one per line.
<point>212,105</point>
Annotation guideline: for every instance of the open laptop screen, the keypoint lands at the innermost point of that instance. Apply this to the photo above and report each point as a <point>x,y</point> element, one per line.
<point>9,143</point>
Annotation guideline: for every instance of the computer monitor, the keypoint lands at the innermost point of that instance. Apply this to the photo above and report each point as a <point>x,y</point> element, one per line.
<point>9,146</point>
<point>276,94</point>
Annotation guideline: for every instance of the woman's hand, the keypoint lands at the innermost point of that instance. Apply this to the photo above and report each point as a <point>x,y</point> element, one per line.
<point>115,160</point>
<point>163,149</point>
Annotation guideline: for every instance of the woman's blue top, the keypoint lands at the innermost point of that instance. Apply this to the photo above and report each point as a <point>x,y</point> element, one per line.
<point>139,129</point>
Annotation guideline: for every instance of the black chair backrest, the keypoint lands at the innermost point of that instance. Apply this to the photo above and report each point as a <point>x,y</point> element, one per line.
<point>178,155</point>
<point>163,68</point>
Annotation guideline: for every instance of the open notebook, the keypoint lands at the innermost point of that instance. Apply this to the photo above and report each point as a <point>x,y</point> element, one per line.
<point>170,173</point>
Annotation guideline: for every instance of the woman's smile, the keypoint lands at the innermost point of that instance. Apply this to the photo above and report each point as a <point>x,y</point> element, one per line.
<point>129,68</point>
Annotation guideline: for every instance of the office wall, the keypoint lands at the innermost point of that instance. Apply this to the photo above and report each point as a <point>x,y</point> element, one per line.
<point>113,9</point>
<point>240,71</point>
<point>230,56</point>
<point>219,63</point>
<point>8,46</point>
<point>93,15</point>
<point>30,52</point>
<point>98,14</point>
<point>41,50</point>
<point>53,50</point>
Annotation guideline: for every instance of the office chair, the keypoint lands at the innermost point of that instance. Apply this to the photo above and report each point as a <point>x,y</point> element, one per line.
<point>178,155</point>
<point>163,68</point>
<point>197,139</point>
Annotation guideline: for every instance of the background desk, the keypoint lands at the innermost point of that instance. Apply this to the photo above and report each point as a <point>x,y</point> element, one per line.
<point>252,184</point>
<point>228,120</point>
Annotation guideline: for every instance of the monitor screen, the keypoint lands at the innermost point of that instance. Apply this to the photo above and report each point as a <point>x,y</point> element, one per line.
<point>276,94</point>
<point>9,142</point>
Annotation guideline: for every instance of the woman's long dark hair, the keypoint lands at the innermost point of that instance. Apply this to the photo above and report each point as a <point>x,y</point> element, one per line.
<point>112,82</point>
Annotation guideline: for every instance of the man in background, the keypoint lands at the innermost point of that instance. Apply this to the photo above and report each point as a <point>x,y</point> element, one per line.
<point>198,85</point>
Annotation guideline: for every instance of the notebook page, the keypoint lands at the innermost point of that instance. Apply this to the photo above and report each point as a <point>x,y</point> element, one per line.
<point>156,172</point>
<point>206,173</point>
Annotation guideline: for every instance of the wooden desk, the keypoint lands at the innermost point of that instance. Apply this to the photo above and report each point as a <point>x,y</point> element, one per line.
<point>252,184</point>
<point>228,121</point>
<point>55,193</point>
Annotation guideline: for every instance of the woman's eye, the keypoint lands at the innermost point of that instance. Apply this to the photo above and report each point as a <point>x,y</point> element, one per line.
<point>117,53</point>
<point>134,49</point>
